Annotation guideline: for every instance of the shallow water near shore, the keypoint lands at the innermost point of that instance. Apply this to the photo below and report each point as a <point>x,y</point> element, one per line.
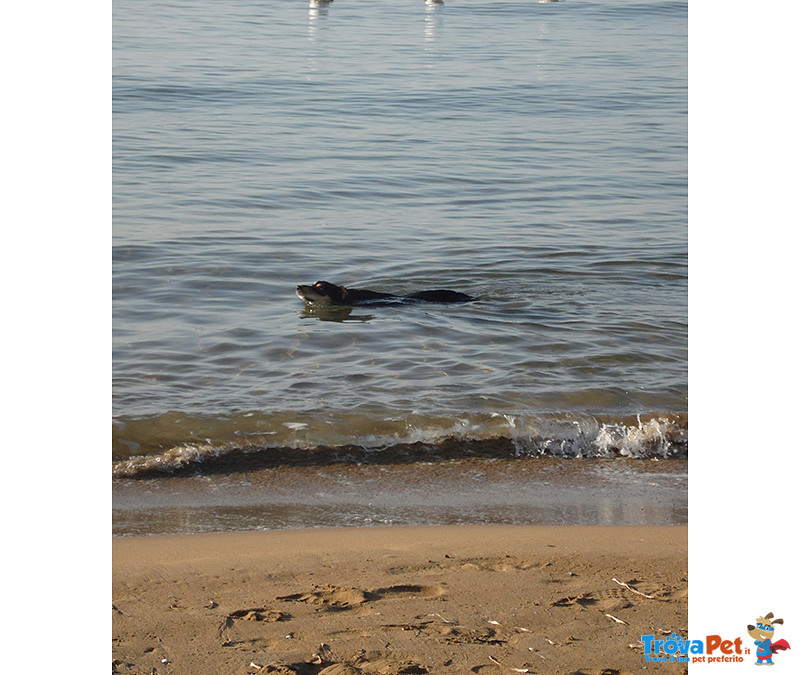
<point>532,155</point>
<point>459,492</point>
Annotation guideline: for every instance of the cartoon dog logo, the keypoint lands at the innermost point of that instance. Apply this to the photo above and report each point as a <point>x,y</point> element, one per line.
<point>762,633</point>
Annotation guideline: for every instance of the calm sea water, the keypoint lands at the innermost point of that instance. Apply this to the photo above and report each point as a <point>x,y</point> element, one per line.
<point>530,154</point>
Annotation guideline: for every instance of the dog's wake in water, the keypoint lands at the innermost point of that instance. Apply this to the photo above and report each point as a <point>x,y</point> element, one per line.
<point>327,294</point>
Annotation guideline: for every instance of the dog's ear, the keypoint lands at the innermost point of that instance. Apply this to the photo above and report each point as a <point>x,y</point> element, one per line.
<point>778,621</point>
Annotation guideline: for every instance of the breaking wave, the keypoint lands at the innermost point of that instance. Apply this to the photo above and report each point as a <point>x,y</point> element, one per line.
<point>179,444</point>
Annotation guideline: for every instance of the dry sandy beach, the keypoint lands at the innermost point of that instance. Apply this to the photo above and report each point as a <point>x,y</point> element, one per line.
<point>391,600</point>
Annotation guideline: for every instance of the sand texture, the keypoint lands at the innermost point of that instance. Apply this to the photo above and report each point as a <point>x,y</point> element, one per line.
<point>385,601</point>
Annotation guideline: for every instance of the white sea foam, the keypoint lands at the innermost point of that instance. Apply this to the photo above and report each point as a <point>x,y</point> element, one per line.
<point>422,439</point>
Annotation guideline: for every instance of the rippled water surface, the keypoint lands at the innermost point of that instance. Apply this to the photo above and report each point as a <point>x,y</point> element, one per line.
<point>530,154</point>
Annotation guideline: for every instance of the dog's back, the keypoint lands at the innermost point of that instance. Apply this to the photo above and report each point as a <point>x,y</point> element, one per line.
<point>439,295</point>
<point>325,293</point>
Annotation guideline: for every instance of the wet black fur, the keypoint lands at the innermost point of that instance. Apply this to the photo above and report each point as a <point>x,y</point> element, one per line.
<point>323,292</point>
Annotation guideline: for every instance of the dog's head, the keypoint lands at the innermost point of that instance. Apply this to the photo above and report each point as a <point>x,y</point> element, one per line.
<point>323,293</point>
<point>764,628</point>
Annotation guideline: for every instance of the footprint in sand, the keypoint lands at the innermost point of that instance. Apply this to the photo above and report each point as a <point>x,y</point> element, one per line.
<point>410,591</point>
<point>603,600</point>
<point>258,614</point>
<point>339,669</point>
<point>331,597</point>
<point>505,564</point>
<point>386,663</point>
<point>334,597</point>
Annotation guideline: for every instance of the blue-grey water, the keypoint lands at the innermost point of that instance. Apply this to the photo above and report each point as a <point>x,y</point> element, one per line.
<point>533,155</point>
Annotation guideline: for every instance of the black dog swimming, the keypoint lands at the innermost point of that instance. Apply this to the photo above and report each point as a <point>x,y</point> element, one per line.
<point>324,293</point>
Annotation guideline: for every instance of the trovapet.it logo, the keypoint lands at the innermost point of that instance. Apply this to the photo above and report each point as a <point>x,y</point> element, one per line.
<point>716,649</point>
<point>675,649</point>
